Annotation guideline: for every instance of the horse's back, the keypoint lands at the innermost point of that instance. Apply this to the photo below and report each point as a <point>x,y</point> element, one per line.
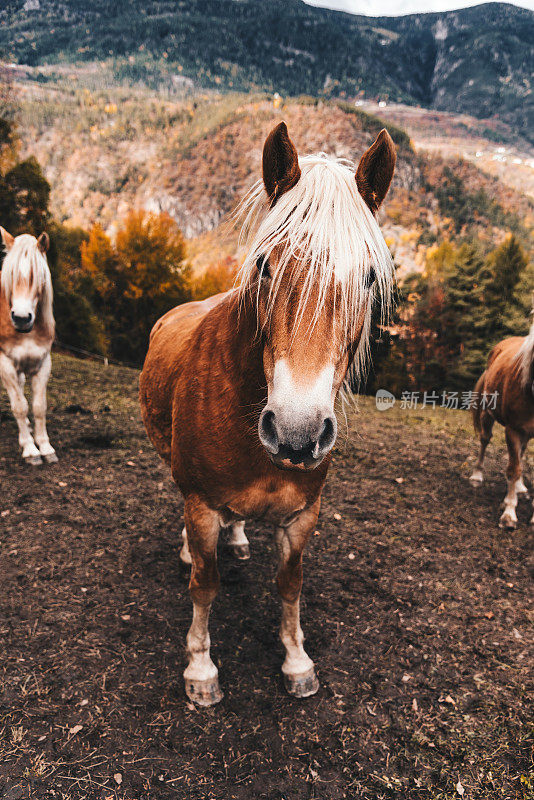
<point>168,344</point>
<point>503,365</point>
<point>506,350</point>
<point>183,319</point>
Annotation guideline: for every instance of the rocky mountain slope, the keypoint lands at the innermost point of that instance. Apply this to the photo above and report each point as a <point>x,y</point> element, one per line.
<point>477,60</point>
<point>196,158</point>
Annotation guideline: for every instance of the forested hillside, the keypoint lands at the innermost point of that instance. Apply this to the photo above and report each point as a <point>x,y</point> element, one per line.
<point>460,238</point>
<point>478,60</point>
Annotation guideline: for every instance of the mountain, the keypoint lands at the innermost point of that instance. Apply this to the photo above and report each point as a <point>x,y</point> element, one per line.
<point>477,60</point>
<point>108,151</point>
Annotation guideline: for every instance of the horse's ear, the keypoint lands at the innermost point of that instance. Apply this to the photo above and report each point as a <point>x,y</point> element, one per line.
<point>7,239</point>
<point>281,169</point>
<point>43,242</point>
<point>376,169</point>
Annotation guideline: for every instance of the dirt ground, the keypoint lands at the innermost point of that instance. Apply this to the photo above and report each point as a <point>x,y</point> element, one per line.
<point>417,610</point>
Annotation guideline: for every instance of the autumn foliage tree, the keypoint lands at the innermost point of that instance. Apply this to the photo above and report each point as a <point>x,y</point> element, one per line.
<point>135,279</point>
<point>216,278</point>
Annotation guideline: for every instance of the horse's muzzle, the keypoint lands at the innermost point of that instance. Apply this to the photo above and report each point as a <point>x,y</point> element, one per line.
<point>297,447</point>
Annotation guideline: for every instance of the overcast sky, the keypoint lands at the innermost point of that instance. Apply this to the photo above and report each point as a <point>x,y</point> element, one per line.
<point>389,8</point>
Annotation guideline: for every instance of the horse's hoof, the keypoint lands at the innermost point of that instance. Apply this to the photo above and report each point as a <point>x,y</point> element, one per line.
<point>476,480</point>
<point>51,458</point>
<point>303,685</point>
<point>35,461</point>
<point>240,551</point>
<point>204,693</point>
<point>507,523</point>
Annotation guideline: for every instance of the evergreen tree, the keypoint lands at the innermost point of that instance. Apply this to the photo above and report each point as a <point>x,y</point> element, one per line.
<point>519,319</point>
<point>469,317</point>
<point>25,198</point>
<point>508,299</point>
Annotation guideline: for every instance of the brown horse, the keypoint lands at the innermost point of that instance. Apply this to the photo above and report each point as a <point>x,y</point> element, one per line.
<point>237,392</point>
<point>27,331</point>
<point>509,378</point>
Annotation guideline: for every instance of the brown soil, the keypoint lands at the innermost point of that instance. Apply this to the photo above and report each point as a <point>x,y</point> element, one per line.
<point>417,610</point>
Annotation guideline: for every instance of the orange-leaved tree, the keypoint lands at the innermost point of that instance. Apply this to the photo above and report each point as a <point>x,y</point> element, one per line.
<point>216,278</point>
<point>136,278</point>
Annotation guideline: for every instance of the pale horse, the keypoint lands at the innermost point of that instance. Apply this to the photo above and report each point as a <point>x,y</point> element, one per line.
<point>27,331</point>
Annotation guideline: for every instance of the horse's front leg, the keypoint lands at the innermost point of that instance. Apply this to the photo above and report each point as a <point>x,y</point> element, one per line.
<point>39,384</point>
<point>201,674</point>
<point>19,405</point>
<point>298,670</point>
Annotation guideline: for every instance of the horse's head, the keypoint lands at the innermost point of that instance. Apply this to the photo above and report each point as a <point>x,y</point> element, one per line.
<point>25,277</point>
<point>316,260</point>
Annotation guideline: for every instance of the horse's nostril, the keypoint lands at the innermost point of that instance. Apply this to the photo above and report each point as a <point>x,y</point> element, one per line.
<point>268,432</point>
<point>327,435</point>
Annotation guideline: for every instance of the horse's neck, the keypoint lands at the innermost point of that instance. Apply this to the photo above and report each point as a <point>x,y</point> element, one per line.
<point>44,322</point>
<point>230,332</point>
<point>6,328</point>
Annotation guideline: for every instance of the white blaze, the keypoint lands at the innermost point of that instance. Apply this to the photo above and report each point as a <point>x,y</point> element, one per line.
<point>23,306</point>
<point>300,399</point>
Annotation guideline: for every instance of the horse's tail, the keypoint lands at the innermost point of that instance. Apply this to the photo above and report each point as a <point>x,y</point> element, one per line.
<point>477,405</point>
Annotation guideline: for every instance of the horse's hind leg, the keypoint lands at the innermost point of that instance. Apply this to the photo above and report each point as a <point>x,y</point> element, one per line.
<point>39,383</point>
<point>513,474</point>
<point>238,542</point>
<point>19,406</point>
<point>298,670</point>
<point>201,674</point>
<point>485,432</point>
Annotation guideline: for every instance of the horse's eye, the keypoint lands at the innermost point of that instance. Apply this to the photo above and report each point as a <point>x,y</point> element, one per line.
<point>370,278</point>
<point>262,265</point>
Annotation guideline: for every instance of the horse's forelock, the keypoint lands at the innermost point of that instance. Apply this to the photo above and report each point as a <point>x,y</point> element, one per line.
<point>324,230</point>
<point>26,262</point>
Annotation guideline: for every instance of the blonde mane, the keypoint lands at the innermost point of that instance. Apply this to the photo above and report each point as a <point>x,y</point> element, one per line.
<point>325,226</point>
<point>525,357</point>
<point>24,261</point>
